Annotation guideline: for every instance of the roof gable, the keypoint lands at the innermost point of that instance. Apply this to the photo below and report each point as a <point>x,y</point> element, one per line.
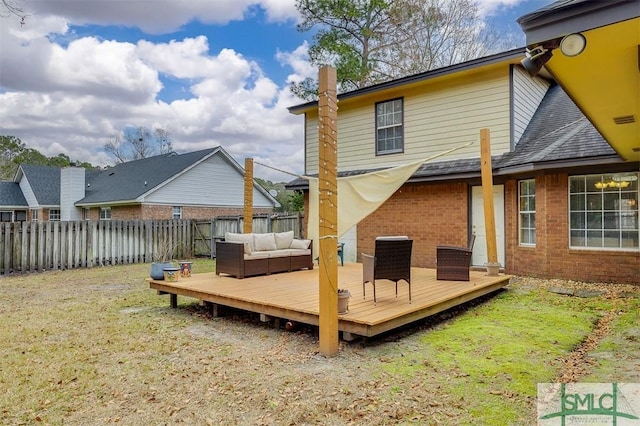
<point>130,180</point>
<point>44,182</point>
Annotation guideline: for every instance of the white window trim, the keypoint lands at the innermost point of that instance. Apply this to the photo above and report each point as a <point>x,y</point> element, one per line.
<point>105,210</point>
<point>173,213</point>
<point>400,125</point>
<point>520,212</point>
<point>595,191</point>
<point>58,214</point>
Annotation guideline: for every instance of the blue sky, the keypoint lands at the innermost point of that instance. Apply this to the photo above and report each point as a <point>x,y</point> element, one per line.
<point>209,72</point>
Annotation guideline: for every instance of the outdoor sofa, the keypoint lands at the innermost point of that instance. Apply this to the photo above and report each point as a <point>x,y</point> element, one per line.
<point>244,255</point>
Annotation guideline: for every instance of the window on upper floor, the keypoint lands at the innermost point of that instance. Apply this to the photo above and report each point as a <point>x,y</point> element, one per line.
<point>390,127</point>
<point>527,210</point>
<point>54,214</point>
<point>177,212</point>
<point>105,213</point>
<point>603,211</point>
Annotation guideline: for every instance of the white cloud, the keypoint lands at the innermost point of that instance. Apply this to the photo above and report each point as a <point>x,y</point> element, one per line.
<point>160,16</point>
<point>62,92</point>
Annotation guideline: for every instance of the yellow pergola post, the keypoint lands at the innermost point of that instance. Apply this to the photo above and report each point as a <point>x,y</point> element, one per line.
<point>487,195</point>
<point>328,209</point>
<point>247,227</point>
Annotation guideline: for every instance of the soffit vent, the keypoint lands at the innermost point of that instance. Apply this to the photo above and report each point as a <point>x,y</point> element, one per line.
<point>624,119</point>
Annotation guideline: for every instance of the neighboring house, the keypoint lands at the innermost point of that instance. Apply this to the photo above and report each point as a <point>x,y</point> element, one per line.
<point>200,184</point>
<point>566,204</point>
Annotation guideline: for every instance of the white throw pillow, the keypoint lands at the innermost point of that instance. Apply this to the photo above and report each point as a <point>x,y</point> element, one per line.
<point>283,239</point>
<point>264,242</point>
<point>246,239</point>
<point>300,244</point>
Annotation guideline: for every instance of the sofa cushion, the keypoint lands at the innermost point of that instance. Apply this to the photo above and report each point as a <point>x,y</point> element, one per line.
<point>299,252</point>
<point>300,244</point>
<point>279,253</point>
<point>283,239</point>
<point>246,239</point>
<point>257,255</point>
<point>264,242</point>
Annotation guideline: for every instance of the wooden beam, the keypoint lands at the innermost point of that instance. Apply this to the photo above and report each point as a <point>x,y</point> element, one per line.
<point>247,227</point>
<point>328,209</point>
<point>487,195</point>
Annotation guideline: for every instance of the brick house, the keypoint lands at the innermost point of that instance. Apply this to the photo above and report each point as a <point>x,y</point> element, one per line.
<point>194,185</point>
<point>566,204</point>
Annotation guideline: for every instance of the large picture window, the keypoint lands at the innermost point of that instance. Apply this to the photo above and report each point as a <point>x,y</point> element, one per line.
<point>603,211</point>
<point>527,210</point>
<point>389,127</point>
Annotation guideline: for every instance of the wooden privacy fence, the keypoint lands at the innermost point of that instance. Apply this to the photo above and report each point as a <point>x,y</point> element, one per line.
<point>206,232</point>
<point>40,246</point>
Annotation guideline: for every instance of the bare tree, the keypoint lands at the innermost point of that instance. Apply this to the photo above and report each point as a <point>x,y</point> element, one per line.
<point>11,8</point>
<point>138,143</point>
<point>371,41</point>
<point>116,149</point>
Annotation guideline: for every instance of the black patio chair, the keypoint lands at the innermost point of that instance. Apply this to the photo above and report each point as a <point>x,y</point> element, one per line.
<point>391,261</point>
<point>453,263</point>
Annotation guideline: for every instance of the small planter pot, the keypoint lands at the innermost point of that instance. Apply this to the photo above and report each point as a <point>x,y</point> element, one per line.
<point>493,269</point>
<point>157,270</point>
<point>343,301</point>
<point>171,274</point>
<point>185,268</point>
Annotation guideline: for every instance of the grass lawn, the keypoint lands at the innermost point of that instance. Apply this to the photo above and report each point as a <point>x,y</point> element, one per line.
<point>97,346</point>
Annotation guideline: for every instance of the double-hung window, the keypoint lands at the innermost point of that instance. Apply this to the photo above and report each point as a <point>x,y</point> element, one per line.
<point>527,212</point>
<point>603,211</point>
<point>389,127</point>
<point>54,214</point>
<point>105,213</point>
<point>177,212</point>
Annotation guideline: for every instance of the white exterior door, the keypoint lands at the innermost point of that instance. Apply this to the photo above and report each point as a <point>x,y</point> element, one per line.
<point>479,256</point>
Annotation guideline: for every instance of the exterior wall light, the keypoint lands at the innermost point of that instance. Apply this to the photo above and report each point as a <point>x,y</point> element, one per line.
<point>573,44</point>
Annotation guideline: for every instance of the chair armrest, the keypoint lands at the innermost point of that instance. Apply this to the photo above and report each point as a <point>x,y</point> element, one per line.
<point>368,267</point>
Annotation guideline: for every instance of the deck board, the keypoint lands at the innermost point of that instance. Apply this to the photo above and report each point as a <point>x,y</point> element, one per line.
<point>294,296</point>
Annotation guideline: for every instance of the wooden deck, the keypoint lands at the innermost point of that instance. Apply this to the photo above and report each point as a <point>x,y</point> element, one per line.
<point>294,296</point>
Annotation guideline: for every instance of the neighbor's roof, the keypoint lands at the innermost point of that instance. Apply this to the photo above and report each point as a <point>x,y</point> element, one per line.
<point>44,182</point>
<point>11,195</point>
<point>127,181</point>
<point>557,134</point>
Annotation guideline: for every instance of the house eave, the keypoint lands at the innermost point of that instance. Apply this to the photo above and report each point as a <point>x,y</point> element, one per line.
<point>513,54</point>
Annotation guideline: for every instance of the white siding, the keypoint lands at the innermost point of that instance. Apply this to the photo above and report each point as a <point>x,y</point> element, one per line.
<point>72,181</point>
<point>28,192</point>
<point>437,117</point>
<point>213,182</point>
<point>527,95</point>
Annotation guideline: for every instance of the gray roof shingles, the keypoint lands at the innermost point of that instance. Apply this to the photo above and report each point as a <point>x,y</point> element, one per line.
<point>11,195</point>
<point>128,181</point>
<point>44,182</point>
